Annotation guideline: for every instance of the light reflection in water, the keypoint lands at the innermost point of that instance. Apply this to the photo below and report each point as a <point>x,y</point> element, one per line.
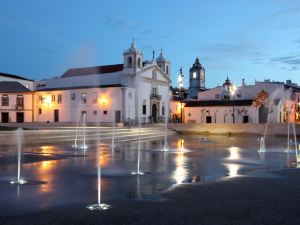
<point>234,154</point>
<point>45,172</point>
<point>180,144</point>
<point>181,173</point>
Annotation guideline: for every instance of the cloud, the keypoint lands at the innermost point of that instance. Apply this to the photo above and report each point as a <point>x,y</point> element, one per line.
<point>119,24</point>
<point>289,62</point>
<point>231,50</point>
<point>287,12</point>
<point>293,59</point>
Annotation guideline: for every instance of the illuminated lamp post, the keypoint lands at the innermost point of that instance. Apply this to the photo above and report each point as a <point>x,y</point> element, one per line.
<point>180,84</point>
<point>103,102</point>
<point>232,92</point>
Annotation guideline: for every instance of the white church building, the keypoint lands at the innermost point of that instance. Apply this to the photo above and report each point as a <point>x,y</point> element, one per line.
<point>121,93</point>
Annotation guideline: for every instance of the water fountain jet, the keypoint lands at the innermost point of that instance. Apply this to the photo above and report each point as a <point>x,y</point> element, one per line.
<point>138,172</point>
<point>98,205</point>
<point>19,136</point>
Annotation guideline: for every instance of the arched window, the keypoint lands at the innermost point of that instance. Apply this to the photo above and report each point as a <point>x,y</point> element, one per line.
<point>167,70</point>
<point>129,62</point>
<point>139,63</point>
<point>154,75</point>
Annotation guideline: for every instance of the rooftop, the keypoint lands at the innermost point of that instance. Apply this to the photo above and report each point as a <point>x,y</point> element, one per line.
<point>12,87</point>
<point>246,102</point>
<point>93,70</point>
<point>13,76</point>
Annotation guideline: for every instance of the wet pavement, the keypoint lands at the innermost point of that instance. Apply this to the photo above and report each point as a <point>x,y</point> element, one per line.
<point>61,176</point>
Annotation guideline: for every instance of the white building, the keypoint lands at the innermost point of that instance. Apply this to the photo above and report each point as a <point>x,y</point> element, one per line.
<point>16,99</point>
<point>121,92</point>
<point>266,101</point>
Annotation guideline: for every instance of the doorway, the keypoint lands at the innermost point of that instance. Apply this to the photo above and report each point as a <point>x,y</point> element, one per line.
<point>263,114</point>
<point>118,116</point>
<point>154,113</point>
<point>56,115</point>
<point>20,117</point>
<point>4,117</point>
<point>245,119</point>
<point>208,119</point>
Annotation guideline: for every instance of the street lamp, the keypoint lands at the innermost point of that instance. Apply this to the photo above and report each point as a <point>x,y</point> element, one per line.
<point>180,83</point>
<point>103,101</point>
<point>232,92</point>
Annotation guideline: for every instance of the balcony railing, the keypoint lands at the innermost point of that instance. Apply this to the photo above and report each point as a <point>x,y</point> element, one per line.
<point>19,107</point>
<point>155,96</point>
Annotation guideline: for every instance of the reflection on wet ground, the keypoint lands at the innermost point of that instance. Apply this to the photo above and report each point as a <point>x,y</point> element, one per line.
<point>67,176</point>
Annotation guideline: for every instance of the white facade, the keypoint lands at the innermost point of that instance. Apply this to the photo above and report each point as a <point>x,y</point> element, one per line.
<point>16,98</point>
<point>139,90</point>
<point>272,102</point>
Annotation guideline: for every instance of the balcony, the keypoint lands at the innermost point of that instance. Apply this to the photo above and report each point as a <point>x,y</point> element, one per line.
<point>155,96</point>
<point>19,107</point>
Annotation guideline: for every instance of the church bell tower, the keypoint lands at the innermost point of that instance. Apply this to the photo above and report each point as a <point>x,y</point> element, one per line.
<point>197,79</point>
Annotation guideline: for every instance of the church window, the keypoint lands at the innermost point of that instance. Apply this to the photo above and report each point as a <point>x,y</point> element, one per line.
<point>163,110</point>
<point>129,62</point>
<point>139,62</point>
<point>194,75</point>
<point>144,109</point>
<point>167,70</point>
<point>154,75</point>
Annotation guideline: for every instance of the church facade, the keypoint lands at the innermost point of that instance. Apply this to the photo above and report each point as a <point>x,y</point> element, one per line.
<point>135,90</point>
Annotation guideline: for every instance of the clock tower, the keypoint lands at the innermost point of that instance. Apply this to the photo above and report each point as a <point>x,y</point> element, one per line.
<point>197,79</point>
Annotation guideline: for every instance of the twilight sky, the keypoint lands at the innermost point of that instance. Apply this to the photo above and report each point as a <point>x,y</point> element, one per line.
<point>251,39</point>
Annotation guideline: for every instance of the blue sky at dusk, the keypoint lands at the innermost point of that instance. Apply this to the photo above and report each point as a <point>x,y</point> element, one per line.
<point>251,39</point>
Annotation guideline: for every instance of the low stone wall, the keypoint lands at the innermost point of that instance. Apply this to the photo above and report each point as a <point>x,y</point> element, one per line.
<point>257,129</point>
<point>53,125</point>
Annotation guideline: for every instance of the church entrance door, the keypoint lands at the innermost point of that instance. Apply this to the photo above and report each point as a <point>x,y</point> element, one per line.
<point>154,113</point>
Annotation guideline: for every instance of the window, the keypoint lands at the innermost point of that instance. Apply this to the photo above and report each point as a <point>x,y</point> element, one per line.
<point>217,96</point>
<point>95,97</point>
<point>154,90</point>
<point>95,113</point>
<point>139,62</point>
<point>163,110</point>
<point>167,70</point>
<point>83,98</point>
<point>154,75</point>
<point>105,112</point>
<point>144,109</point>
<point>40,98</point>
<point>129,62</point>
<point>52,98</point>
<point>40,111</point>
<point>5,100</point>
<point>59,99</point>
<point>20,100</point>
<point>194,75</point>
<point>73,96</point>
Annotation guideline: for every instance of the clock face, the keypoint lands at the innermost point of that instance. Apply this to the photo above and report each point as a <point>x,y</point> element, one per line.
<point>194,75</point>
